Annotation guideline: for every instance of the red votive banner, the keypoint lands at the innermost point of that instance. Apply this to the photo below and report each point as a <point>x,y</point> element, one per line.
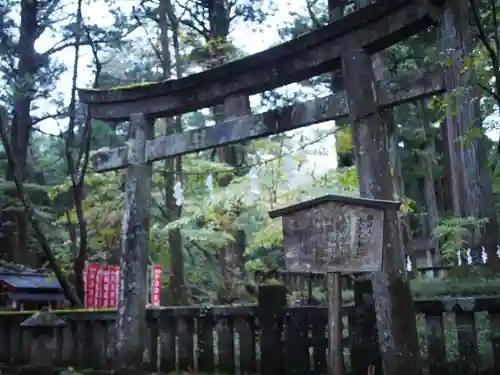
<point>156,274</point>
<point>91,292</point>
<point>102,286</point>
<point>114,286</point>
<point>106,270</point>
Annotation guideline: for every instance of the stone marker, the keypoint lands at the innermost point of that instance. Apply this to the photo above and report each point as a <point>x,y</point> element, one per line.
<point>41,326</point>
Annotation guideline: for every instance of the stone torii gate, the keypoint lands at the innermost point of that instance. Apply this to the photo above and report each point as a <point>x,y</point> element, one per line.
<point>346,44</point>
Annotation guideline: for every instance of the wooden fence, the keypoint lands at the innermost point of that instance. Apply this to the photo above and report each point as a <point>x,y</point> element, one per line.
<point>306,283</point>
<point>458,336</point>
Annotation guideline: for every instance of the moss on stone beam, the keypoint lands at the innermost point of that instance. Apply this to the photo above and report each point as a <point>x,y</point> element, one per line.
<point>121,87</point>
<point>132,86</point>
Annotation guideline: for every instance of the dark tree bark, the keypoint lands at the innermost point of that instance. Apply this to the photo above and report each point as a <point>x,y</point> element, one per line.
<point>470,178</point>
<point>77,164</point>
<point>219,16</point>
<point>428,160</point>
<point>176,288</point>
<point>445,190</point>
<point>27,69</point>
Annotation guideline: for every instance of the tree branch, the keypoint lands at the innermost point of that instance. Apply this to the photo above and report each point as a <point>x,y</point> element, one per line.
<point>201,28</point>
<point>490,91</point>
<point>312,16</point>
<point>155,49</point>
<point>495,24</point>
<point>491,52</point>
<point>77,169</point>
<point>62,45</point>
<point>48,116</point>
<point>48,134</point>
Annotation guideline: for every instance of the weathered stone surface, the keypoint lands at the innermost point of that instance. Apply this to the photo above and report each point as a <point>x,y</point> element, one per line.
<point>131,324</point>
<point>373,27</point>
<point>43,319</point>
<point>41,328</point>
<point>393,301</point>
<point>334,107</point>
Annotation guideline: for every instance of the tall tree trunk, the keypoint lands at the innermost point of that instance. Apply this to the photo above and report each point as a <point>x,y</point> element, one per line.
<point>230,258</point>
<point>176,290</point>
<point>77,164</point>
<point>382,73</point>
<point>18,240</point>
<point>470,179</point>
<point>428,160</point>
<point>446,180</point>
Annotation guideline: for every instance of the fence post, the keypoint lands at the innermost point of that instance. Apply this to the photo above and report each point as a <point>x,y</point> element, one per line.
<point>272,298</point>
<point>41,326</point>
<point>365,350</point>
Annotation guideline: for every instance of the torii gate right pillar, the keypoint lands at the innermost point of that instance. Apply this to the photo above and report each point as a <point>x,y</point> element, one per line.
<point>396,323</point>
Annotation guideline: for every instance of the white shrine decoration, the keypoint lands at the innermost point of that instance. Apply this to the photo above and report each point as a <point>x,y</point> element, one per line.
<point>469,257</point>
<point>209,183</point>
<point>289,171</point>
<point>409,265</point>
<point>178,194</point>
<point>254,191</point>
<point>484,255</point>
<point>459,254</point>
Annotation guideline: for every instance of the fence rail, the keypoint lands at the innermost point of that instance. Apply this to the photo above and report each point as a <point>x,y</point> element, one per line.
<point>248,340</point>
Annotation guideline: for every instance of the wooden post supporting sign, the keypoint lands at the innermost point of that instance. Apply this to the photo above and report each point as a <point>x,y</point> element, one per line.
<point>334,291</point>
<point>334,234</point>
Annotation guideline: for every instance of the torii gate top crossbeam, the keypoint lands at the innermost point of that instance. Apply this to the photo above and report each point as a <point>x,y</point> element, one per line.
<point>373,27</point>
<point>333,107</point>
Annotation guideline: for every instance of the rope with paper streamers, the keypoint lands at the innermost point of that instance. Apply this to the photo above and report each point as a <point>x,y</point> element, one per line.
<point>464,257</point>
<point>289,171</point>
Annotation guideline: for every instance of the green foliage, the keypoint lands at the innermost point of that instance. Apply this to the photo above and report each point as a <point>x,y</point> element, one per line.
<point>454,233</point>
<point>451,287</point>
<point>344,140</point>
<point>273,282</point>
<point>429,288</point>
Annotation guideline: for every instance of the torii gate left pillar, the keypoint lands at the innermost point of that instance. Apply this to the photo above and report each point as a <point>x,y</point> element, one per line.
<point>131,320</point>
